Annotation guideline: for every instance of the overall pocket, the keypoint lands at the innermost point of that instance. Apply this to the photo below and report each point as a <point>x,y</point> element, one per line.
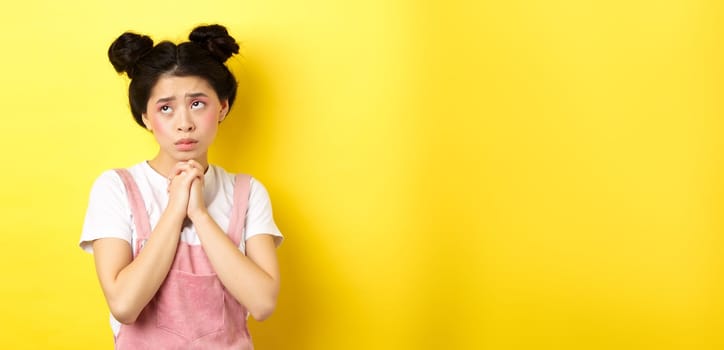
<point>189,305</point>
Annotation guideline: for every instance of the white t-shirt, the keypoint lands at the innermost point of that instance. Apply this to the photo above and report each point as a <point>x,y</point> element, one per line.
<point>109,214</point>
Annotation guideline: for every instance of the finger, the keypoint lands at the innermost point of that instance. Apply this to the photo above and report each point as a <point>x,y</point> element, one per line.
<point>195,164</point>
<point>179,167</point>
<point>186,176</point>
<point>196,173</point>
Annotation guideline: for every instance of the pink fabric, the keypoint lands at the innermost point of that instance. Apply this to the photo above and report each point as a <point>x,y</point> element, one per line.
<point>192,309</point>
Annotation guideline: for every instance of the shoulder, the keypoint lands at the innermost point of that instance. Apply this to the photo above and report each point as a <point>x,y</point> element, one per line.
<point>227,178</point>
<point>256,188</point>
<point>110,181</point>
<point>108,213</point>
<point>220,174</point>
<point>112,176</point>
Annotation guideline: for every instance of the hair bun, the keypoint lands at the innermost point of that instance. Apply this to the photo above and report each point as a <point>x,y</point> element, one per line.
<point>126,50</point>
<point>216,39</point>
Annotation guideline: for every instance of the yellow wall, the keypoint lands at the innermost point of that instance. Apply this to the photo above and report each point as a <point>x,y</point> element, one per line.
<point>507,175</point>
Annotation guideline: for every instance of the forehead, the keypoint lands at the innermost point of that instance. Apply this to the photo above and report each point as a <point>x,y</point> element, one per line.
<point>173,86</point>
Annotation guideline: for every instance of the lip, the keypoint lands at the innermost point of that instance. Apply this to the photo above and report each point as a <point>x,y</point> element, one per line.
<point>185,144</point>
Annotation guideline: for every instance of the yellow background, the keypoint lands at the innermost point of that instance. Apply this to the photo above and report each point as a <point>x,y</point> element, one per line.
<point>449,174</point>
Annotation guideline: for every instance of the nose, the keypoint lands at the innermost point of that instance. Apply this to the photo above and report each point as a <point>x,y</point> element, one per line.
<point>185,122</point>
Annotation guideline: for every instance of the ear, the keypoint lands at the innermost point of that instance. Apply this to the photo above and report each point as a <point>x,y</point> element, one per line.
<point>224,110</point>
<point>146,122</point>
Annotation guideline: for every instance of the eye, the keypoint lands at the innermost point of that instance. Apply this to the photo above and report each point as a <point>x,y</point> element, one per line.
<point>166,109</point>
<point>197,105</point>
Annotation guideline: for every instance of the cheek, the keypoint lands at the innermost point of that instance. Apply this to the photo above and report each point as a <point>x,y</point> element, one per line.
<point>157,126</point>
<point>208,120</point>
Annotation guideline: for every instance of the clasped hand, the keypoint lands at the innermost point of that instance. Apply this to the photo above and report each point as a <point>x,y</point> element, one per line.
<point>186,189</point>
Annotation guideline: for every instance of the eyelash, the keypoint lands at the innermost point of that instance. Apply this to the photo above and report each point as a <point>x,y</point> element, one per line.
<point>194,104</point>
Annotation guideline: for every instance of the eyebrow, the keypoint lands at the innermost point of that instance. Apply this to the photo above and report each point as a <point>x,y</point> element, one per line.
<point>172,98</point>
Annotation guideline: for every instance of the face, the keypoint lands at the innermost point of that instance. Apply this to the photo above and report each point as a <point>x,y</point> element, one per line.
<point>183,113</point>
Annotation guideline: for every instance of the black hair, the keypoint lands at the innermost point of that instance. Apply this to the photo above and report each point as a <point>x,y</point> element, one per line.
<point>203,56</point>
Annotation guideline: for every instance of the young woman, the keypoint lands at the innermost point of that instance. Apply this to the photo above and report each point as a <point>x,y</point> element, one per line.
<point>184,251</point>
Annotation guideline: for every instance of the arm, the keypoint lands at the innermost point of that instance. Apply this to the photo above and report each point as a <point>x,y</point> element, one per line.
<point>253,279</point>
<point>129,284</point>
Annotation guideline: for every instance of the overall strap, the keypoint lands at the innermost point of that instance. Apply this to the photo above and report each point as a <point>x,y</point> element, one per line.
<point>138,209</point>
<point>237,220</point>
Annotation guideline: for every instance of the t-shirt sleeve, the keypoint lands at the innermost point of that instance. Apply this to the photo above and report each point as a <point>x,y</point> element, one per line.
<point>259,218</point>
<point>108,214</point>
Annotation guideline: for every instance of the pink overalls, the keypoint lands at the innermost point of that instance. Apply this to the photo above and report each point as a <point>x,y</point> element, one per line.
<point>192,309</point>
